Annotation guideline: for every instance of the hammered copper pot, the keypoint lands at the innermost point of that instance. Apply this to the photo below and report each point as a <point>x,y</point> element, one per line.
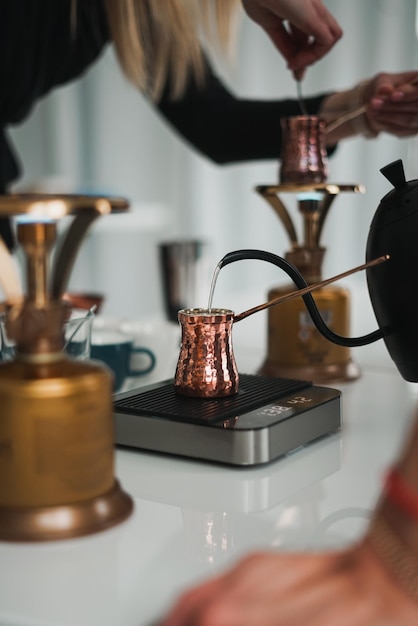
<point>304,157</point>
<point>206,366</point>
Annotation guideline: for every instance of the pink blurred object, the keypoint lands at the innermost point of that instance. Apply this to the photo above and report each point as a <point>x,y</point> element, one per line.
<point>84,300</point>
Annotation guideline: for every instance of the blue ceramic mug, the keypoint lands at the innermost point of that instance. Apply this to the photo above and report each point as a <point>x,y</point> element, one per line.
<point>116,350</point>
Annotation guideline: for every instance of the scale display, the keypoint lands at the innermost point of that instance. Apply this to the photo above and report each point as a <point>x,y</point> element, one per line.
<point>268,418</point>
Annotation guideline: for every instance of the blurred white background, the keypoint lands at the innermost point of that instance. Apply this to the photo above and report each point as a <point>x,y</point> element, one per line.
<point>100,135</point>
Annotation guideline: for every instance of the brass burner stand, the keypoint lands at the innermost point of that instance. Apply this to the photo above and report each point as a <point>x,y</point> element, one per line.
<point>56,413</point>
<point>295,348</point>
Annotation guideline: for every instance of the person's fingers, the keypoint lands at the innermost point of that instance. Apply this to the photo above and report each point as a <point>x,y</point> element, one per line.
<point>282,39</point>
<point>217,602</point>
<point>302,58</point>
<point>299,38</point>
<point>394,87</point>
<point>183,613</point>
<point>298,56</point>
<point>290,591</point>
<point>324,32</point>
<point>332,25</point>
<point>311,32</point>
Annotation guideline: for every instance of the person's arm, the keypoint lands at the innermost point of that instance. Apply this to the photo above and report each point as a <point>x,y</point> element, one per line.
<point>302,30</point>
<point>372,583</point>
<point>229,129</point>
<point>348,588</point>
<point>226,128</point>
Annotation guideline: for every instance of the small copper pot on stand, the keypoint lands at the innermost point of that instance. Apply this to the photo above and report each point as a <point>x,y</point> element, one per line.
<point>294,347</point>
<point>304,157</point>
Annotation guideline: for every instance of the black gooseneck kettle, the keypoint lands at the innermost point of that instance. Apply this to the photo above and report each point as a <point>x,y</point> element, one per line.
<point>394,297</point>
<point>392,288</point>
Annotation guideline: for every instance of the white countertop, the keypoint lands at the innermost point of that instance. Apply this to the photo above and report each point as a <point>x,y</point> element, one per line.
<point>192,518</point>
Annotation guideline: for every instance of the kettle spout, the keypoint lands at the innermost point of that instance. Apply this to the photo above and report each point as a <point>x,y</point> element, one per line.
<point>297,278</point>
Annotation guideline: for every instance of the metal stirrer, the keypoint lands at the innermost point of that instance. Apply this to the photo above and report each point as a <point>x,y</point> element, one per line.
<point>301,98</point>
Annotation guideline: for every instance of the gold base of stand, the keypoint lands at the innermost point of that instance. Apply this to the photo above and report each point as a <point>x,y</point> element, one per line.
<point>295,349</point>
<point>318,374</point>
<point>53,523</point>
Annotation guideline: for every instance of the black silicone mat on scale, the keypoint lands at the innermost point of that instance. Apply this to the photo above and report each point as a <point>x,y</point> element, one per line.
<point>254,392</point>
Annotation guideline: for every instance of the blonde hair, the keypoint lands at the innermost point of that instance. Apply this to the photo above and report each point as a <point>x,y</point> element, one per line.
<point>160,39</point>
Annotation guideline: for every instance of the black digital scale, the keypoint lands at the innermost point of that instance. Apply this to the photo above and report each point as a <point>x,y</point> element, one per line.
<point>268,418</point>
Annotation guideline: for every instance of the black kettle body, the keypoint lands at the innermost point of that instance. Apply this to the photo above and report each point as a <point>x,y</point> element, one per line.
<point>393,286</point>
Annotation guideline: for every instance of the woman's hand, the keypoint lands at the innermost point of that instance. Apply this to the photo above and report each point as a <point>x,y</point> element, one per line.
<point>389,103</point>
<point>392,103</point>
<point>348,588</point>
<point>312,30</point>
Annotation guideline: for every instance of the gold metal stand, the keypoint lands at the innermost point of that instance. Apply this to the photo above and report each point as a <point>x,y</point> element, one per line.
<point>56,416</point>
<point>295,348</point>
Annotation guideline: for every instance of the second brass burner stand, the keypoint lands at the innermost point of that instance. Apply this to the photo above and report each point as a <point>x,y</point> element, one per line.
<point>295,348</point>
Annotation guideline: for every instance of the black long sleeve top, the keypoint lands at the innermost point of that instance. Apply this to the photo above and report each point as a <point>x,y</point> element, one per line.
<point>39,51</point>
